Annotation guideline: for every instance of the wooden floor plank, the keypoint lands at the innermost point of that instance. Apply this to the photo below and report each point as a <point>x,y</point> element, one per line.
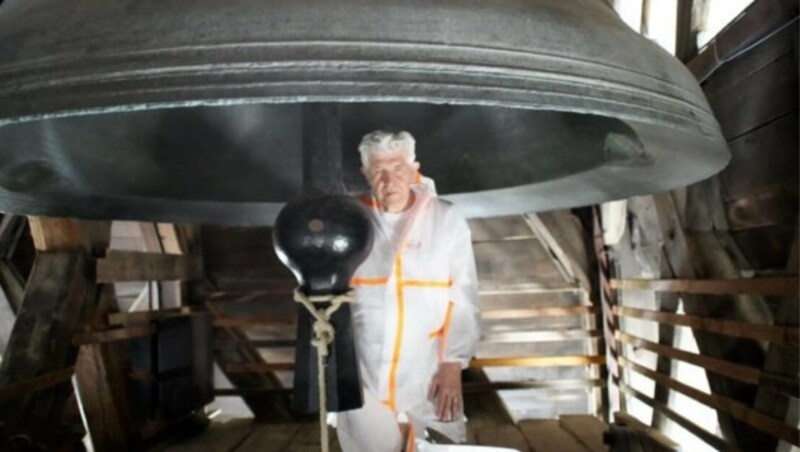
<point>220,437</point>
<point>587,429</point>
<point>269,438</point>
<point>307,438</point>
<point>471,434</point>
<point>501,436</point>
<point>545,435</point>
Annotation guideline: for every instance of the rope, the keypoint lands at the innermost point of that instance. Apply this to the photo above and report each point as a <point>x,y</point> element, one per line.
<point>323,336</point>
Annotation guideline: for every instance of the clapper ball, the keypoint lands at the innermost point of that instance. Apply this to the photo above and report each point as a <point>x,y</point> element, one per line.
<point>323,239</point>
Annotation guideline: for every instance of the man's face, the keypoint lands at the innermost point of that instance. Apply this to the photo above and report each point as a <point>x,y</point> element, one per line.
<point>390,175</point>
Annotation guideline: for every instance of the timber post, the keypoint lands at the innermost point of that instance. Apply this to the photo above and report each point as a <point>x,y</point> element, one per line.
<point>40,355</point>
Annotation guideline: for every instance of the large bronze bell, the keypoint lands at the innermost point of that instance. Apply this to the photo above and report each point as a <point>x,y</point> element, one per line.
<point>191,110</point>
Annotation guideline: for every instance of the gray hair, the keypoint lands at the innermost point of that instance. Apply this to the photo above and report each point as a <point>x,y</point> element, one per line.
<point>386,141</point>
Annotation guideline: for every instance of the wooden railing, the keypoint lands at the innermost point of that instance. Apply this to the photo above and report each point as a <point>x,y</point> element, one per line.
<point>511,336</point>
<point>785,385</point>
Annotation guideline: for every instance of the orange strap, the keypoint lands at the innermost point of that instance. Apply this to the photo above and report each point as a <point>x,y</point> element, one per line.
<point>369,281</point>
<point>444,331</point>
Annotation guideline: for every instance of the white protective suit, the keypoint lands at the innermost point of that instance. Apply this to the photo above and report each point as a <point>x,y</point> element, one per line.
<point>416,305</point>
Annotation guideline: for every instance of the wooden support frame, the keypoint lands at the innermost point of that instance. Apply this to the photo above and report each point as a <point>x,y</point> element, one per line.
<point>129,318</point>
<point>468,388</point>
<point>738,372</point>
<point>517,337</point>
<point>12,282</point>
<point>685,33</point>
<point>249,297</point>
<point>40,383</point>
<point>538,361</point>
<point>528,288</point>
<point>556,385</point>
<point>276,410</point>
<point>730,406</point>
<point>222,344</point>
<point>606,299</point>
<point>246,368</point>
<point>534,361</point>
<point>252,392</point>
<point>113,335</point>
<point>58,299</point>
<point>556,311</point>
<point>119,266</point>
<point>550,244</point>
<point>660,441</point>
<point>742,33</point>
<point>779,286</point>
<point>83,240</point>
<point>244,321</point>
<point>731,328</point>
<point>706,436</point>
<point>100,383</point>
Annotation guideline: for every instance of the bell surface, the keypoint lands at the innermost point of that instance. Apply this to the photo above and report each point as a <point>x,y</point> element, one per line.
<point>167,110</point>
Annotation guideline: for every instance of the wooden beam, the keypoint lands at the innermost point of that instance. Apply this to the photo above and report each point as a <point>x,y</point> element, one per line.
<point>322,147</point>
<point>252,392</point>
<point>7,311</point>
<point>67,234</point>
<point>101,385</point>
<point>248,297</point>
<point>162,239</point>
<point>483,408</point>
<point>788,286</point>
<point>274,410</point>
<point>516,337</point>
<point>57,301</point>
<point>119,266</point>
<point>527,288</point>
<point>506,436</point>
<point>113,335</point>
<point>545,435</point>
<point>104,414</point>
<point>170,241</point>
<point>243,321</point>
<point>732,328</point>
<point>238,368</point>
<point>587,429</point>
<point>128,318</point>
<point>12,284</point>
<point>661,442</point>
<point>549,243</point>
<point>551,385</point>
<point>738,372</point>
<point>604,298</point>
<point>55,234</point>
<point>760,19</point>
<point>685,34</point>
<point>736,409</point>
<point>254,343</point>
<point>538,361</point>
<point>704,435</point>
<point>468,387</point>
<point>644,24</point>
<point>25,388</point>
<point>556,311</point>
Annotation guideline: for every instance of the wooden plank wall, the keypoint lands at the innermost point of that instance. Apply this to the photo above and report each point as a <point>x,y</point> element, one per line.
<point>755,99</point>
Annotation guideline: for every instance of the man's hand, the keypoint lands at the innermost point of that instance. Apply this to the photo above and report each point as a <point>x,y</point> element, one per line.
<point>445,391</point>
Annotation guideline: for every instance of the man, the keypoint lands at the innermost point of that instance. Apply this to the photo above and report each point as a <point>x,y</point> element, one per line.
<point>415,318</point>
